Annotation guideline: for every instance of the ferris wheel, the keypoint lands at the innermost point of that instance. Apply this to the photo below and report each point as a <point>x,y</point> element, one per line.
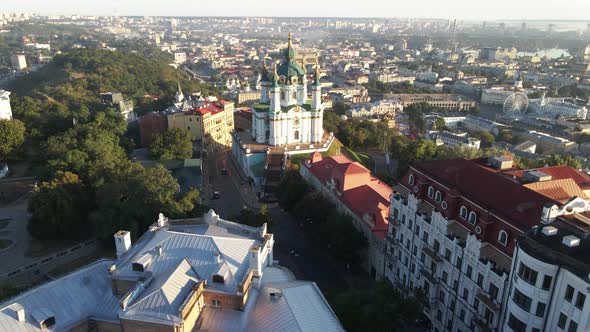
<point>516,102</point>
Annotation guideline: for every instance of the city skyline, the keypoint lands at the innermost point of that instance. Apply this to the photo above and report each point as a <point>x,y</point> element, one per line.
<point>459,9</point>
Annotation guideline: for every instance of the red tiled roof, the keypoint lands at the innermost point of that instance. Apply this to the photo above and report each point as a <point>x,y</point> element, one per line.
<point>560,190</point>
<point>559,173</point>
<point>498,194</point>
<point>363,194</point>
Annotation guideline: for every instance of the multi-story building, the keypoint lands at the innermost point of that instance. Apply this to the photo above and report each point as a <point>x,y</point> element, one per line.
<point>179,57</point>
<point>205,274</point>
<point>549,281</point>
<point>382,107</point>
<point>5,109</point>
<point>548,143</point>
<point>123,106</point>
<point>475,123</point>
<point>210,121</point>
<point>19,61</point>
<point>394,78</point>
<point>453,231</point>
<point>352,188</point>
<point>447,101</point>
<point>451,139</point>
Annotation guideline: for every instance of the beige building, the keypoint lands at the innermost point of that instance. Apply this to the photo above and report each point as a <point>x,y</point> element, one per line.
<point>212,123</point>
<point>248,96</point>
<point>447,101</point>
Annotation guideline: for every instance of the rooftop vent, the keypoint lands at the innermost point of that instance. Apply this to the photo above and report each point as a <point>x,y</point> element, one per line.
<point>549,230</point>
<point>536,176</point>
<point>142,263</point>
<point>275,295</point>
<point>159,250</point>
<point>571,241</point>
<point>19,312</point>
<point>44,317</point>
<point>500,162</point>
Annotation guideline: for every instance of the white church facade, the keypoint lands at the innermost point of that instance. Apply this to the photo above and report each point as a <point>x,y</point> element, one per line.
<point>285,114</point>
<point>5,110</point>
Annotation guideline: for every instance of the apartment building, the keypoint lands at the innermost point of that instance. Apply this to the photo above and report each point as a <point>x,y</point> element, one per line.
<point>210,122</point>
<point>355,192</point>
<point>205,274</point>
<point>452,139</point>
<point>453,231</point>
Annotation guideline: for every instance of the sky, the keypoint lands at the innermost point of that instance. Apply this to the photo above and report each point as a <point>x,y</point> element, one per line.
<point>448,9</point>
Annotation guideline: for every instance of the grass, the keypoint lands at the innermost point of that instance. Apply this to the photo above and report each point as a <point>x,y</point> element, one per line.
<point>362,158</point>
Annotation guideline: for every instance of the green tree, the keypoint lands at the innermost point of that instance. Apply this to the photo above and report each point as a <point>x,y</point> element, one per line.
<point>486,137</point>
<point>173,144</point>
<point>291,189</point>
<point>12,136</point>
<point>440,124</point>
<point>58,209</point>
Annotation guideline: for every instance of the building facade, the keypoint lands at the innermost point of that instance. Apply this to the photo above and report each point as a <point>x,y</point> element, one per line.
<point>355,192</point>
<point>19,61</point>
<point>453,231</point>
<point>5,109</point>
<point>447,101</point>
<point>285,115</point>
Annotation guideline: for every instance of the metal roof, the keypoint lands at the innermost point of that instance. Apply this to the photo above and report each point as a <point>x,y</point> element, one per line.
<point>84,293</point>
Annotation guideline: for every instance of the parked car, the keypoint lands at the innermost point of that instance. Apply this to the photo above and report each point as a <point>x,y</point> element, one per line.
<point>216,195</point>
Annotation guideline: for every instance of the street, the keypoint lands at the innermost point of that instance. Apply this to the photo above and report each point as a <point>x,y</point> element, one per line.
<point>230,201</point>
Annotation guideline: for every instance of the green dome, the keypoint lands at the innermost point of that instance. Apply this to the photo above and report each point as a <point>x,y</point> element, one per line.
<point>290,69</point>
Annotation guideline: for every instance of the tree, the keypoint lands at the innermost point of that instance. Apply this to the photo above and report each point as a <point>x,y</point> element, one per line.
<point>58,209</point>
<point>440,124</point>
<point>173,144</point>
<point>291,189</point>
<point>253,218</point>
<point>486,137</point>
<point>12,136</point>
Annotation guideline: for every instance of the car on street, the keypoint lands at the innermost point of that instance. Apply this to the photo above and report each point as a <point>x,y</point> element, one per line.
<point>224,171</point>
<point>216,195</point>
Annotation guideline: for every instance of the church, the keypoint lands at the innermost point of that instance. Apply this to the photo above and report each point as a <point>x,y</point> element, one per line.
<point>285,114</point>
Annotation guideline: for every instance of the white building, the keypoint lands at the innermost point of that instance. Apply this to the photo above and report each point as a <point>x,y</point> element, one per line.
<point>558,107</point>
<point>285,115</point>
<point>19,61</point>
<point>453,230</point>
<point>5,109</point>
<point>382,107</point>
<point>550,279</point>
<point>179,57</point>
<point>451,139</point>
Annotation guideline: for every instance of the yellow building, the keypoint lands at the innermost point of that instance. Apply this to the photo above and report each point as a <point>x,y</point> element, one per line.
<point>212,123</point>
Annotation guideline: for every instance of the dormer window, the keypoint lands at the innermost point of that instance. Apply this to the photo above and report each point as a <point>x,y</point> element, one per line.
<point>411,179</point>
<point>472,218</point>
<point>463,213</point>
<point>503,237</point>
<point>438,196</point>
<point>430,192</point>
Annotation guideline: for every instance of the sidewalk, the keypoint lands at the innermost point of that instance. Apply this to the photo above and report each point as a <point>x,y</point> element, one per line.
<point>245,190</point>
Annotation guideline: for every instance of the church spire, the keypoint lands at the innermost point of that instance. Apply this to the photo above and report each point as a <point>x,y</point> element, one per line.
<point>275,78</point>
<point>290,53</point>
<point>316,79</point>
<point>303,64</point>
<point>179,95</point>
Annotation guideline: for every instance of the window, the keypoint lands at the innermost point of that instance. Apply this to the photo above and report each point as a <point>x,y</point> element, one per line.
<point>569,293</point>
<point>472,218</point>
<point>480,280</point>
<point>573,326</point>
<point>452,306</point>
<point>515,324</point>
<point>503,237</point>
<point>493,290</point>
<point>521,300</point>
<point>465,294</point>
<point>469,272</point>
<point>417,230</point>
<point>438,315</point>
<point>580,299</point>
<point>411,179</point>
<point>562,320</point>
<point>462,315</point>
<point>216,303</point>
<point>415,250</point>
<point>456,284</point>
<point>489,316</point>
<point>413,268</point>
<point>527,274</point>
<point>426,287</point>
<point>441,295</point>
<point>438,196</point>
<point>448,254</point>
<point>422,258</point>
<point>436,246</point>
<point>296,135</point>
<point>425,237</point>
<point>540,309</point>
<point>445,276</point>
<point>430,192</point>
<point>459,262</point>
<point>476,304</point>
<point>463,213</point>
<point>547,282</point>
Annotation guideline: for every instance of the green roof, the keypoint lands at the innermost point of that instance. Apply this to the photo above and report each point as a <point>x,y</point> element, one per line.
<point>290,69</point>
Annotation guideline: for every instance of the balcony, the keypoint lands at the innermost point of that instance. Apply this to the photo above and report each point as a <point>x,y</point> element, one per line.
<point>389,254</point>
<point>487,300</point>
<point>430,252</point>
<point>429,276</point>
<point>483,326</point>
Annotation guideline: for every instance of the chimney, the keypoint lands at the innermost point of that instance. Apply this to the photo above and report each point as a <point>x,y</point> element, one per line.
<point>159,250</point>
<point>571,241</point>
<point>122,242</point>
<point>218,258</point>
<point>162,220</point>
<point>549,230</point>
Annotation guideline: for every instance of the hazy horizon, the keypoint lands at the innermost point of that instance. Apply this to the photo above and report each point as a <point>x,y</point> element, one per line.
<point>534,10</point>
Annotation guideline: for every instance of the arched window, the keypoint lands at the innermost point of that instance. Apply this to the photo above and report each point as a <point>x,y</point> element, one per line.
<point>463,213</point>
<point>411,179</point>
<point>472,218</point>
<point>296,135</point>
<point>503,237</point>
<point>293,95</point>
<point>430,192</point>
<point>438,196</point>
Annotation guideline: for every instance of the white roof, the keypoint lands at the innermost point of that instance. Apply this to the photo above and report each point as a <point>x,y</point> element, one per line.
<point>296,306</point>
<point>84,293</point>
